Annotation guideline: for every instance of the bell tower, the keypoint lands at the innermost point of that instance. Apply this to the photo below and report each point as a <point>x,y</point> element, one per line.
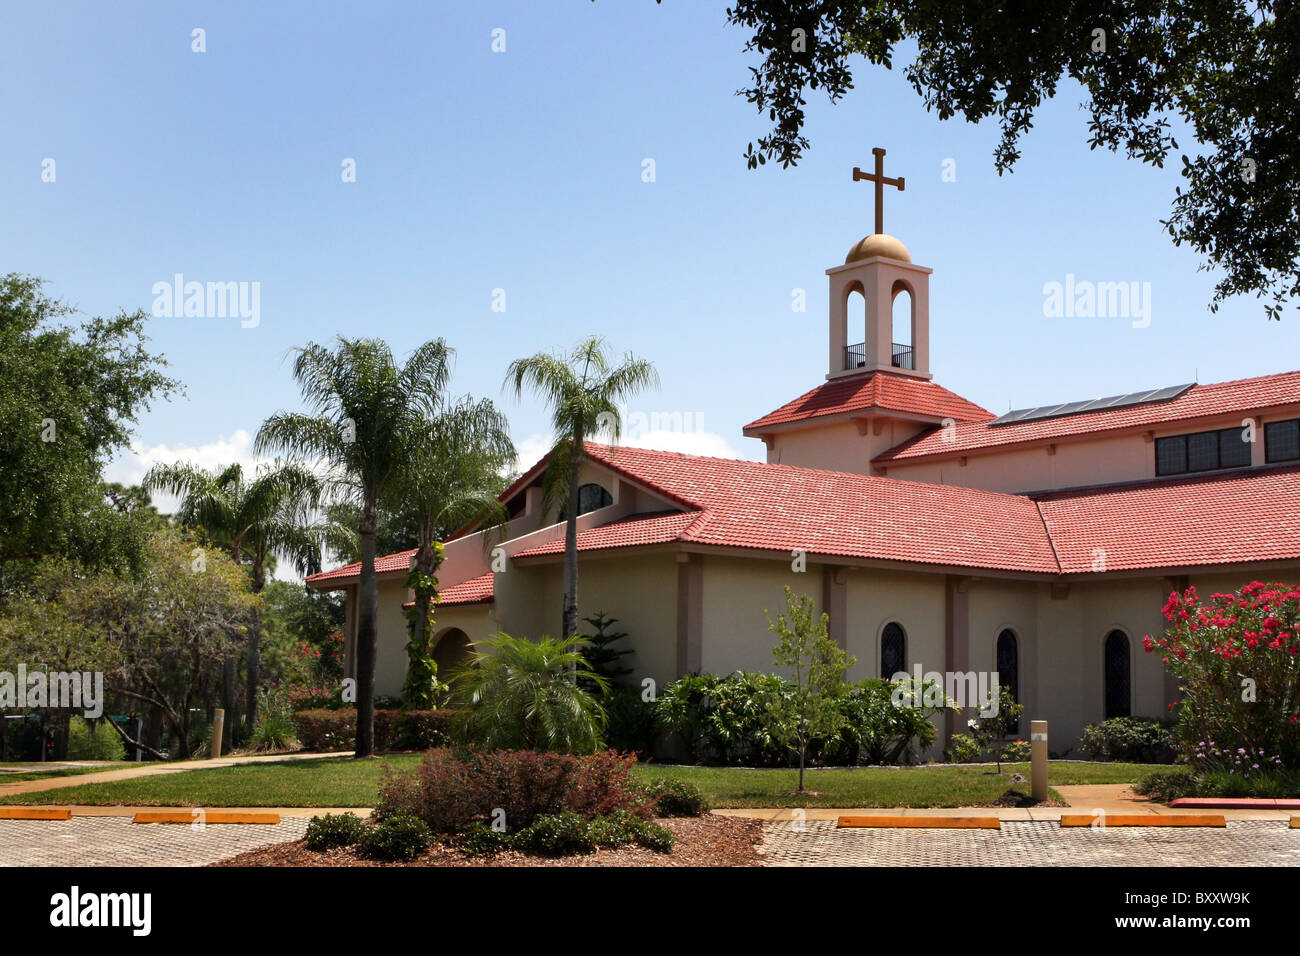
<point>878,269</point>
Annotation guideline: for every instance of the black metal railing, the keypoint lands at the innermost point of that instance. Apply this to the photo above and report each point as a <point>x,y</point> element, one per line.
<point>855,356</point>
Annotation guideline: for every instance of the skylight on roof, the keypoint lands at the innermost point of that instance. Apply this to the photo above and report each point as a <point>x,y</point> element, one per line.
<point>1147,397</point>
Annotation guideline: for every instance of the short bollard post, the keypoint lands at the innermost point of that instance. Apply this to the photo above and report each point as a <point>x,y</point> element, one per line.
<point>219,727</point>
<point>1038,753</point>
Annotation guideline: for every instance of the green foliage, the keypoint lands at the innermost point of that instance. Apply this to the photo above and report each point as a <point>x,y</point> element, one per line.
<point>629,721</point>
<point>158,635</point>
<point>324,729</point>
<point>559,834</point>
<point>1130,739</point>
<point>583,389</point>
<point>71,396</point>
<point>366,416</point>
<point>670,797</point>
<point>526,695</point>
<point>963,748</point>
<point>728,720</point>
<point>334,830</point>
<point>481,840</point>
<point>274,729</point>
<point>812,709</point>
<point>1224,71</point>
<point>601,657</point>
<point>1017,751</point>
<point>1237,660</point>
<point>93,740</point>
<point>421,689</point>
<point>992,731</point>
<point>397,838</point>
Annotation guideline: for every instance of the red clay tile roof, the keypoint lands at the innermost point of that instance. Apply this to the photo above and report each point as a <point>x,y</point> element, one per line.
<point>1200,401</point>
<point>1209,520</point>
<point>1231,518</point>
<point>474,591</point>
<point>400,561</point>
<point>654,528</point>
<point>784,508</point>
<point>882,390</point>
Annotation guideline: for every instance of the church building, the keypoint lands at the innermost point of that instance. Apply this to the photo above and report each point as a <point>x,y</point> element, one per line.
<point>1040,544</point>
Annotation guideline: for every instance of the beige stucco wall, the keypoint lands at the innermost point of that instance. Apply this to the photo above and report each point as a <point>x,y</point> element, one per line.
<point>915,601</point>
<point>839,446</point>
<point>734,632</point>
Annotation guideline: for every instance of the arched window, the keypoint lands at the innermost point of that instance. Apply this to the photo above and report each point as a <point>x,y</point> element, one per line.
<point>590,497</point>
<point>1118,675</point>
<point>902,306</point>
<point>893,650</point>
<point>1009,662</point>
<point>1008,655</point>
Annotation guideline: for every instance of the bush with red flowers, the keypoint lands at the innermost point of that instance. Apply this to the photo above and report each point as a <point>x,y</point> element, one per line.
<point>1237,660</point>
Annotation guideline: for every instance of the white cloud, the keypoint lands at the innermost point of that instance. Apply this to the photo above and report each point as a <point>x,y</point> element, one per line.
<point>130,467</point>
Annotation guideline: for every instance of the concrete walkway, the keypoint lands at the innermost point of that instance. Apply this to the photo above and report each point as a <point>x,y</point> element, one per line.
<point>149,770</point>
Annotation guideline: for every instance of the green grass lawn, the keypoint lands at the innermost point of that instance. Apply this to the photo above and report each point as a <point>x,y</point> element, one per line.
<point>345,782</point>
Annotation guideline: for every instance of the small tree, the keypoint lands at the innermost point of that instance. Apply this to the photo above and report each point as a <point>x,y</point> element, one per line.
<point>992,731</point>
<point>600,656</point>
<point>818,665</point>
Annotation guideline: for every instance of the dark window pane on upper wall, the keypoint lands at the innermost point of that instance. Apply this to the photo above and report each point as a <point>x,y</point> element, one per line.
<point>1233,451</point>
<point>1009,663</point>
<point>1171,455</point>
<point>1282,440</point>
<point>1203,451</point>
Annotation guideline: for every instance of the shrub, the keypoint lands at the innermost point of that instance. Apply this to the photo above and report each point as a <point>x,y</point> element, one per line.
<point>1017,751</point>
<point>1166,785</point>
<point>1133,739</point>
<point>629,721</point>
<point>1213,648</point>
<point>615,830</point>
<point>451,792</point>
<point>480,839</point>
<point>963,748</point>
<point>399,837</point>
<point>524,695</point>
<point>333,830</point>
<point>880,729</point>
<point>991,731</point>
<point>93,740</point>
<point>675,798</point>
<point>558,834</point>
<point>333,730</point>
<point>652,836</point>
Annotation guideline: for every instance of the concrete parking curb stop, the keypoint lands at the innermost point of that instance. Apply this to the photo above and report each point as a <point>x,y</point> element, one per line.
<point>1143,820</point>
<point>198,814</point>
<point>922,822</point>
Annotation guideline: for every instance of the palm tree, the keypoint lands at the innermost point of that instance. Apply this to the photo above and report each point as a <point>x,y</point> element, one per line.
<point>365,420</point>
<point>257,521</point>
<point>445,481</point>
<point>520,695</point>
<point>583,392</point>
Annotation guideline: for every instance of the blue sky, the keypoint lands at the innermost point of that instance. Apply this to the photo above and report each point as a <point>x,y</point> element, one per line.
<point>522,171</point>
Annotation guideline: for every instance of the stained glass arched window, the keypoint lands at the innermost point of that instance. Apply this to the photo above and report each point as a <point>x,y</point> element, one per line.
<point>893,650</point>
<point>1119,678</point>
<point>1009,662</point>
<point>591,496</point>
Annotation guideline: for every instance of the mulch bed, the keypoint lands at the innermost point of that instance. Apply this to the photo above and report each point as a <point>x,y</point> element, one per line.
<point>702,841</point>
<point>1013,798</point>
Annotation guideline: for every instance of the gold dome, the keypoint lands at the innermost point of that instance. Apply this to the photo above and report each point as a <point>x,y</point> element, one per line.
<point>878,244</point>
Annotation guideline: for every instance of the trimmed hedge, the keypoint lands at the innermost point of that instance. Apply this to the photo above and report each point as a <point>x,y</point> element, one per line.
<point>330,730</point>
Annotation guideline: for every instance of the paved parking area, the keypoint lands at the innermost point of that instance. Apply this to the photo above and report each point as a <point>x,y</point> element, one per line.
<point>1043,843</point>
<point>116,841</point>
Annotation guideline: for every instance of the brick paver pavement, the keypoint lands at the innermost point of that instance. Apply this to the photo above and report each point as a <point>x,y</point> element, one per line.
<point>116,841</point>
<point>1241,843</point>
